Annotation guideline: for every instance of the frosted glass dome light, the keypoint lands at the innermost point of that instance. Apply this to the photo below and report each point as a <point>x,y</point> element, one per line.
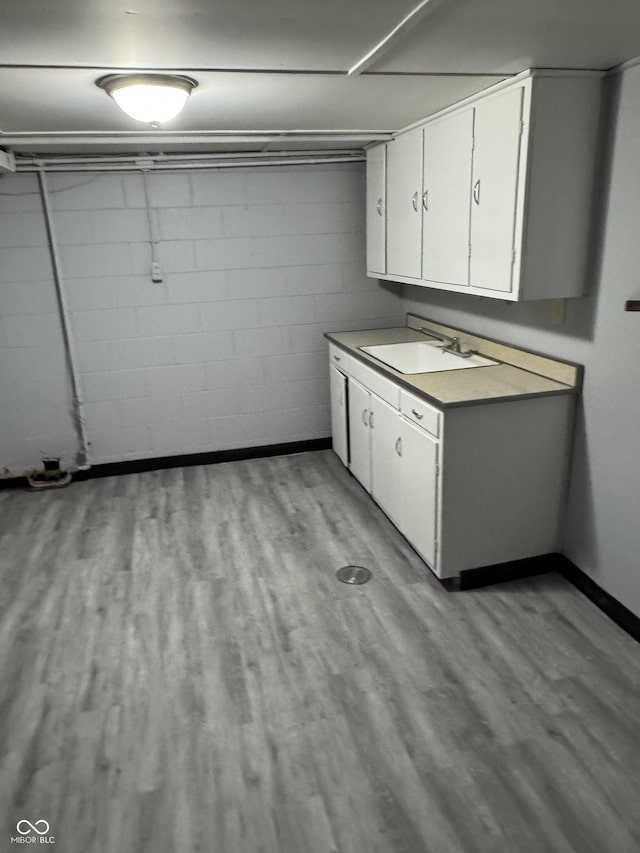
<point>150,98</point>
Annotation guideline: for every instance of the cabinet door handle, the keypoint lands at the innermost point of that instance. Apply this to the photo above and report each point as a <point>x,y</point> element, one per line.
<point>476,191</point>
<point>425,199</point>
<point>418,415</point>
<point>337,357</point>
<point>371,419</point>
<point>364,417</point>
<point>414,201</point>
<point>379,207</point>
<point>399,446</point>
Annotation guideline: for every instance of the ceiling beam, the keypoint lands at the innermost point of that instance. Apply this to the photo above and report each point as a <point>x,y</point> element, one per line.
<point>386,43</point>
<point>195,138</point>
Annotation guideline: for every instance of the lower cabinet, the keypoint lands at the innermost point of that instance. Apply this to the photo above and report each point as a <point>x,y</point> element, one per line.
<point>418,498</point>
<point>397,463</point>
<point>360,433</point>
<point>468,486</point>
<point>386,480</point>
<point>339,414</point>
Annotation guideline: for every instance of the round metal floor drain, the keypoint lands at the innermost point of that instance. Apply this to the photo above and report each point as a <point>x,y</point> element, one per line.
<point>353,574</point>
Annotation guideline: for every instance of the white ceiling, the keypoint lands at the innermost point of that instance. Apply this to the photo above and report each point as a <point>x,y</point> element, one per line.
<point>280,65</point>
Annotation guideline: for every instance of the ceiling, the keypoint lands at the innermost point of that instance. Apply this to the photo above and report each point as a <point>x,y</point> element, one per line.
<point>273,75</point>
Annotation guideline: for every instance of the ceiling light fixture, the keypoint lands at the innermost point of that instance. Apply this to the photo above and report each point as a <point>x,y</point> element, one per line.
<point>151,98</point>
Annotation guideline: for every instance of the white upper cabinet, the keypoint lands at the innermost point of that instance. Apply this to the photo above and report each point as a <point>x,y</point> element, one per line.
<point>404,205</point>
<point>506,184</point>
<point>448,147</point>
<point>376,206</point>
<point>497,130</point>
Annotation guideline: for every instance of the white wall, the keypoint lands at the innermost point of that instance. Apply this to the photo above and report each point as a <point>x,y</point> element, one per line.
<point>228,351</point>
<point>602,530</point>
<point>35,409</point>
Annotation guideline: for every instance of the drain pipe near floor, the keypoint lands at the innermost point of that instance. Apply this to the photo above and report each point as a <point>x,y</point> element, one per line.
<point>82,457</point>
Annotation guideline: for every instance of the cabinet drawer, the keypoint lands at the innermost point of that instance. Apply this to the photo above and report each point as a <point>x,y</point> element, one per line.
<point>340,359</point>
<point>384,388</point>
<point>420,413</point>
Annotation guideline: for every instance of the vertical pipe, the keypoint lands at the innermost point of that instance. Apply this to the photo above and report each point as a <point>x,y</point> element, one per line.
<point>153,236</point>
<point>78,406</point>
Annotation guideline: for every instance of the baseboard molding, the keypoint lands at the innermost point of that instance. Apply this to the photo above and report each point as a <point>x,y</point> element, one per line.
<point>137,466</point>
<point>621,615</point>
<point>487,575</point>
<point>514,570</point>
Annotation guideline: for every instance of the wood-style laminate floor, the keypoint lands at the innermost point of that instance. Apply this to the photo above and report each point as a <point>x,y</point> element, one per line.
<point>181,671</point>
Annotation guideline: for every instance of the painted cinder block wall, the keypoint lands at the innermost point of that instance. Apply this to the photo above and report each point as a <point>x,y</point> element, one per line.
<point>227,351</point>
<point>35,391</point>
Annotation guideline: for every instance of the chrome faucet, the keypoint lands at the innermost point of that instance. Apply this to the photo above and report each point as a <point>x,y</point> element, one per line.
<point>453,344</point>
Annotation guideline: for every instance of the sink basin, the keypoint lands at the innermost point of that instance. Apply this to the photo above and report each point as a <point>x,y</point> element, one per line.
<point>423,357</point>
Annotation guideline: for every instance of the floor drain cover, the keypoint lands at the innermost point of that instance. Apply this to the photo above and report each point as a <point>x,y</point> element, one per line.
<point>353,574</point>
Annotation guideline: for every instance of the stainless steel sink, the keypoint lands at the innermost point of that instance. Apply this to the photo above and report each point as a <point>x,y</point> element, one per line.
<point>424,357</point>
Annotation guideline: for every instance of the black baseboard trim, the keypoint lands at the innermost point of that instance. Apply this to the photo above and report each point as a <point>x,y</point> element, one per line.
<point>487,575</point>
<point>138,466</point>
<point>514,570</point>
<point>621,615</point>
<point>14,483</point>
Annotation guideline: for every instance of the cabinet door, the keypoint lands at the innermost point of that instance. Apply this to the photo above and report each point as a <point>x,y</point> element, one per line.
<point>359,433</point>
<point>385,473</point>
<point>419,484</point>
<point>339,415</point>
<point>448,152</point>
<point>496,161</point>
<point>376,210</point>
<point>404,207</point>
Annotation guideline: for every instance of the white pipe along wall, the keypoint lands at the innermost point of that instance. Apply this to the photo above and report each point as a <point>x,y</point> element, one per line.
<point>83,458</point>
<point>37,415</point>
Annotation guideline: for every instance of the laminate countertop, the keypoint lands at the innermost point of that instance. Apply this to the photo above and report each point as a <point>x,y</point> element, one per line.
<point>519,374</point>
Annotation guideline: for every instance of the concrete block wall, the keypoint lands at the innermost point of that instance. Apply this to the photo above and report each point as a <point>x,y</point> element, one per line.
<point>35,392</point>
<point>228,350</point>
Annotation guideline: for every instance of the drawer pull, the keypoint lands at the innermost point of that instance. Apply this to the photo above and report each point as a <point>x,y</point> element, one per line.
<point>337,357</point>
<point>418,415</point>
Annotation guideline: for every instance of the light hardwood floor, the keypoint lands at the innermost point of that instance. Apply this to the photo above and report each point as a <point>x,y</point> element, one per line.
<point>181,671</point>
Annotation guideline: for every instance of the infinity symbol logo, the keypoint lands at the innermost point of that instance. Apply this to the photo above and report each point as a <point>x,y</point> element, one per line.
<point>32,827</point>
